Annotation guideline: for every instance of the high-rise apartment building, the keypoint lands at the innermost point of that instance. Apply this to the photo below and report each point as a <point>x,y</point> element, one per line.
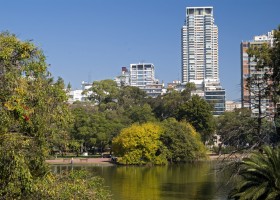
<point>141,75</point>
<point>249,96</point>
<point>199,46</point>
<point>200,63</point>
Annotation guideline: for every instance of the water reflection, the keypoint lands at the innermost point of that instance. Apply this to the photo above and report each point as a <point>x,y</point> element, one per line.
<point>174,182</point>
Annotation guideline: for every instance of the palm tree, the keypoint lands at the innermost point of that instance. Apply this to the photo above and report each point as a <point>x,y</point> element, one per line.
<point>260,176</point>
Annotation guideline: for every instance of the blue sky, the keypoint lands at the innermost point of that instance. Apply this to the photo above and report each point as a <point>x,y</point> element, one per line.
<point>87,40</point>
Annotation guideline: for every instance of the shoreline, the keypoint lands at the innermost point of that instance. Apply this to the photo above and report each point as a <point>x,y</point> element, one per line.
<point>81,161</point>
<point>107,161</point>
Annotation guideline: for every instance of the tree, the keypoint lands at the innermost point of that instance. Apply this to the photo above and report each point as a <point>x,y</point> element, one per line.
<point>259,173</point>
<point>96,128</point>
<point>131,96</point>
<point>167,105</point>
<point>182,142</point>
<point>140,114</point>
<point>76,184</point>
<point>258,83</point>
<point>236,128</point>
<point>103,91</point>
<point>140,144</point>
<point>33,113</point>
<point>259,176</point>
<point>264,82</point>
<point>198,112</point>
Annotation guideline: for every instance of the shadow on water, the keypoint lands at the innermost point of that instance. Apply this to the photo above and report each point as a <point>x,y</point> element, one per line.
<point>174,182</point>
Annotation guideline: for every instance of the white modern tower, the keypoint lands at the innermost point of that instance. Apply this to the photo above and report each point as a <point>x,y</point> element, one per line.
<point>199,46</point>
<point>200,56</point>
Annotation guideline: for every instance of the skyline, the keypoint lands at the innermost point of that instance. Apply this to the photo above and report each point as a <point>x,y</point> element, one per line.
<point>94,39</point>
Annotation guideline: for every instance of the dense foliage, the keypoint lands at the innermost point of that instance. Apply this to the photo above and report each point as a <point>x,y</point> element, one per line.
<point>128,105</point>
<point>182,142</point>
<point>34,117</point>
<point>260,171</point>
<point>157,143</point>
<point>259,176</point>
<point>140,144</point>
<point>198,112</point>
<point>76,184</point>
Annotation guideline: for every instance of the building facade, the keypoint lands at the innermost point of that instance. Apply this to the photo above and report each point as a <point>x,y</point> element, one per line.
<point>124,78</point>
<point>141,75</point>
<point>249,95</point>
<point>200,63</point>
<point>78,95</point>
<point>232,105</point>
<point>199,45</point>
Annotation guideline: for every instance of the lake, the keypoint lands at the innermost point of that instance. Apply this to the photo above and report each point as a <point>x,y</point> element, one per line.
<point>196,181</point>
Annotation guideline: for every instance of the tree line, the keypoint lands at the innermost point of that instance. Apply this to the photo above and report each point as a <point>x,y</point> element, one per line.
<point>100,123</point>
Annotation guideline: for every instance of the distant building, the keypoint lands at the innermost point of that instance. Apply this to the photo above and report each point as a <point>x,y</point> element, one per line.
<point>199,45</point>
<point>123,79</point>
<point>216,96</point>
<point>248,96</point>
<point>141,75</point>
<point>77,95</point>
<point>200,56</point>
<point>173,85</point>
<point>231,105</point>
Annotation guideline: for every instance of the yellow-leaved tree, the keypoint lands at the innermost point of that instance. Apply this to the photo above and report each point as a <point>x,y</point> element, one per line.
<point>140,144</point>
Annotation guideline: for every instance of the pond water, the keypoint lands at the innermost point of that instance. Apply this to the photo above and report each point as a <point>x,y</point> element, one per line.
<point>174,182</point>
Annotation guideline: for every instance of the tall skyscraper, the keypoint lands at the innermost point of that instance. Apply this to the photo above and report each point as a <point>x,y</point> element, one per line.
<point>200,56</point>
<point>199,46</point>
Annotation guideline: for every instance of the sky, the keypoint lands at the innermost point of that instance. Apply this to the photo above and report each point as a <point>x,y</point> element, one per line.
<point>91,40</point>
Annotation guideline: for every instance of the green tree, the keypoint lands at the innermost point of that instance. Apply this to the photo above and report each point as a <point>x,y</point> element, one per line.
<point>140,114</point>
<point>182,142</point>
<point>264,83</point>
<point>34,117</point>
<point>32,111</point>
<point>259,176</point>
<point>236,128</point>
<point>103,91</point>
<point>95,128</point>
<point>131,96</point>
<point>239,129</point>
<point>258,83</point>
<point>76,184</point>
<point>198,112</point>
<point>167,105</point>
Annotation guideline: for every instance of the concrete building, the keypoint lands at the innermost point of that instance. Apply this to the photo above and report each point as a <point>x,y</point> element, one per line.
<point>215,95</point>
<point>249,97</point>
<point>200,56</point>
<point>124,78</point>
<point>141,75</point>
<point>77,95</point>
<point>231,105</point>
<point>199,45</point>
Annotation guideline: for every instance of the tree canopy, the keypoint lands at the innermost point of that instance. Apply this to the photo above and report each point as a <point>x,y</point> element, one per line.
<point>140,144</point>
<point>198,112</point>
<point>34,117</point>
<point>182,142</point>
